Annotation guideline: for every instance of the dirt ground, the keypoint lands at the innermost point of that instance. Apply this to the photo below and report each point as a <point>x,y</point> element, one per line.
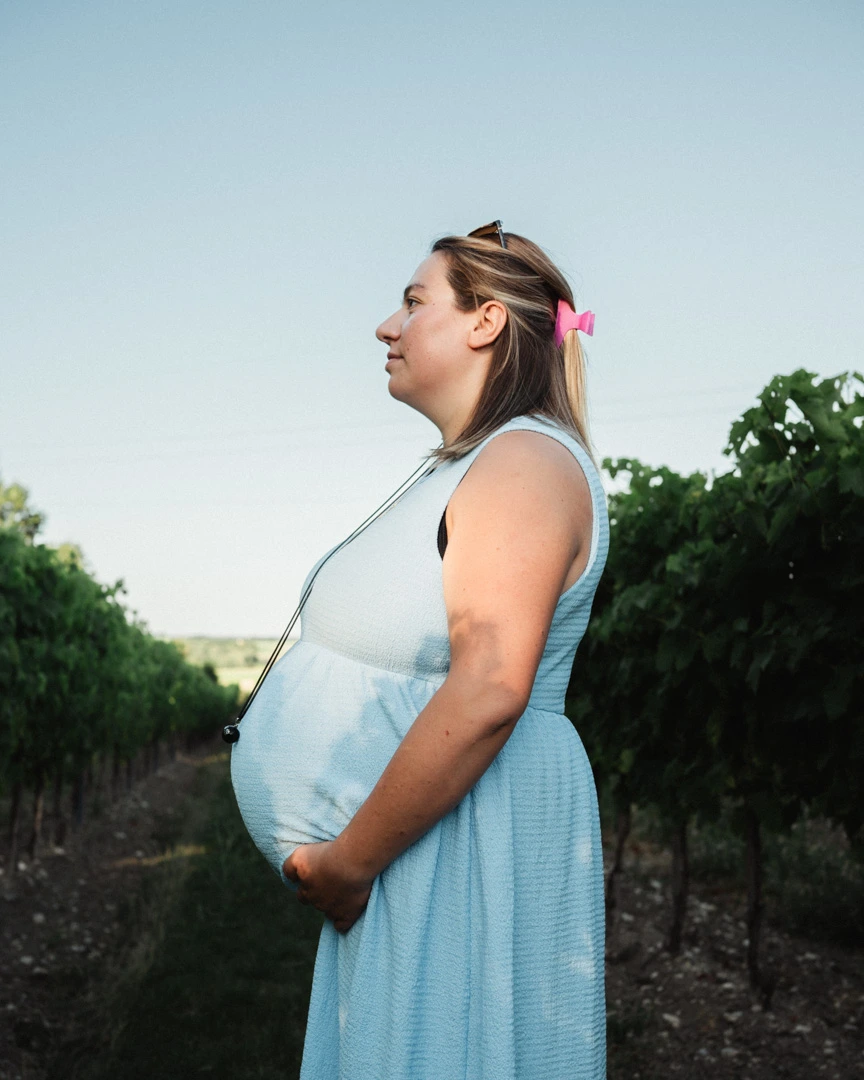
<point>66,916</point>
<point>694,1015</point>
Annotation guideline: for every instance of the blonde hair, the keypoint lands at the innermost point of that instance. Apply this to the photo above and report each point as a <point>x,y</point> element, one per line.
<point>529,374</point>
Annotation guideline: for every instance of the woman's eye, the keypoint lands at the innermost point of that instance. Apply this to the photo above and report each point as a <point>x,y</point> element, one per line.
<point>410,300</point>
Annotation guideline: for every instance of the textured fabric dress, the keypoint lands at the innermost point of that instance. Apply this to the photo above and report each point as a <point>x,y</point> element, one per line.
<point>480,955</point>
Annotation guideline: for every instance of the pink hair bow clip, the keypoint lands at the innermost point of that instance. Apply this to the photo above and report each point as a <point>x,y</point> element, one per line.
<point>568,320</point>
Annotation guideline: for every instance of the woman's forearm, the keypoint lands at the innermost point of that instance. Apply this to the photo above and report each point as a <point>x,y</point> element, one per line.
<point>449,746</point>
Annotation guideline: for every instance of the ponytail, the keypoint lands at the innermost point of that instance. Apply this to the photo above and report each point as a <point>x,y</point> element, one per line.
<point>575,377</point>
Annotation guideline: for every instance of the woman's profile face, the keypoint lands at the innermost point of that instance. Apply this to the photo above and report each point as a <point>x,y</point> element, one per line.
<point>433,357</point>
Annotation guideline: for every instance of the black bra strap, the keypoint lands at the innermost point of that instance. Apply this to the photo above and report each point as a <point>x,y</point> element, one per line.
<point>442,534</point>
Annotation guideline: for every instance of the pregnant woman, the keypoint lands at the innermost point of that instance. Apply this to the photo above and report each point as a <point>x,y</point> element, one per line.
<point>407,767</point>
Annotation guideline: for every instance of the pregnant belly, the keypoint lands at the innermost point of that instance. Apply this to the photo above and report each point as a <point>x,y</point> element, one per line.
<point>313,744</point>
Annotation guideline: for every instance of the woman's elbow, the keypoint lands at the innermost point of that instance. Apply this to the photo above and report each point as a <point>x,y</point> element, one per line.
<point>490,703</point>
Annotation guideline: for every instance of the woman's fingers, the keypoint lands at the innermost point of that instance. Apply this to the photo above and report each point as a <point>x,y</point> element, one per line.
<point>344,922</point>
<point>340,920</point>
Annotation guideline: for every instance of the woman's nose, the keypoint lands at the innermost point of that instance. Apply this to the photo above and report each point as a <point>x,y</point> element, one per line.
<point>388,330</point>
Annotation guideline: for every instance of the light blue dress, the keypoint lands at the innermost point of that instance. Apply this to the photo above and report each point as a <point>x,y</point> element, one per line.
<point>480,955</point>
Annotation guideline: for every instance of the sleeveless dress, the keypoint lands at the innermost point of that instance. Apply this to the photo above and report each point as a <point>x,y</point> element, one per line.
<point>480,954</point>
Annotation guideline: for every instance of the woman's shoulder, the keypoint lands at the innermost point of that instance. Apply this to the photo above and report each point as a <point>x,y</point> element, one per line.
<point>526,461</point>
<point>532,437</point>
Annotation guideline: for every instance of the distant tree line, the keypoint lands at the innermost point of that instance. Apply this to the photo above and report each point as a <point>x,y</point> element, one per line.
<point>87,696</point>
<point>724,662</point>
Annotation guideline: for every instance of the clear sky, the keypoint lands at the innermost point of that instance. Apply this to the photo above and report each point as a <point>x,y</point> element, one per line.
<point>207,208</point>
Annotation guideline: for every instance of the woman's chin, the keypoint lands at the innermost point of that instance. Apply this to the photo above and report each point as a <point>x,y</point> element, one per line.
<point>394,390</point>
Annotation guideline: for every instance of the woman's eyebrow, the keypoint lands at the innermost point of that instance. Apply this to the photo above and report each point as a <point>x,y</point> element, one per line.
<point>409,288</point>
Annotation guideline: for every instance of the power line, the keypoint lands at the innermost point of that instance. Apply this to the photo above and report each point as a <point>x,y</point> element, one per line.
<point>216,454</point>
<point>291,433</point>
<point>648,416</point>
<point>220,435</point>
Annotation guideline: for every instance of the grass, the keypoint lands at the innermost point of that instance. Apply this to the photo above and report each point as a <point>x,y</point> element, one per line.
<point>814,887</point>
<point>225,652</point>
<point>625,1024</point>
<point>217,984</point>
<point>235,660</point>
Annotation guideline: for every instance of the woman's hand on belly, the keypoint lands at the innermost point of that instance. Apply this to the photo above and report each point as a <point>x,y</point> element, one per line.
<point>329,881</point>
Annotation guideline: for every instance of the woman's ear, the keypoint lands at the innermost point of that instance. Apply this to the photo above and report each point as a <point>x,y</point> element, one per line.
<point>490,320</point>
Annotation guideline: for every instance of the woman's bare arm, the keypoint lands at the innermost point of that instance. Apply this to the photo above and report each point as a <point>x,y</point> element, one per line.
<point>520,516</point>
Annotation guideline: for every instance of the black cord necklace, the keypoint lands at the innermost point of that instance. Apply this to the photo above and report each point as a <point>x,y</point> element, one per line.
<point>231,732</point>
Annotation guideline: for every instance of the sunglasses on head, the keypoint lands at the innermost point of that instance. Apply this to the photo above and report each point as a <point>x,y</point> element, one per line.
<point>492,231</point>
